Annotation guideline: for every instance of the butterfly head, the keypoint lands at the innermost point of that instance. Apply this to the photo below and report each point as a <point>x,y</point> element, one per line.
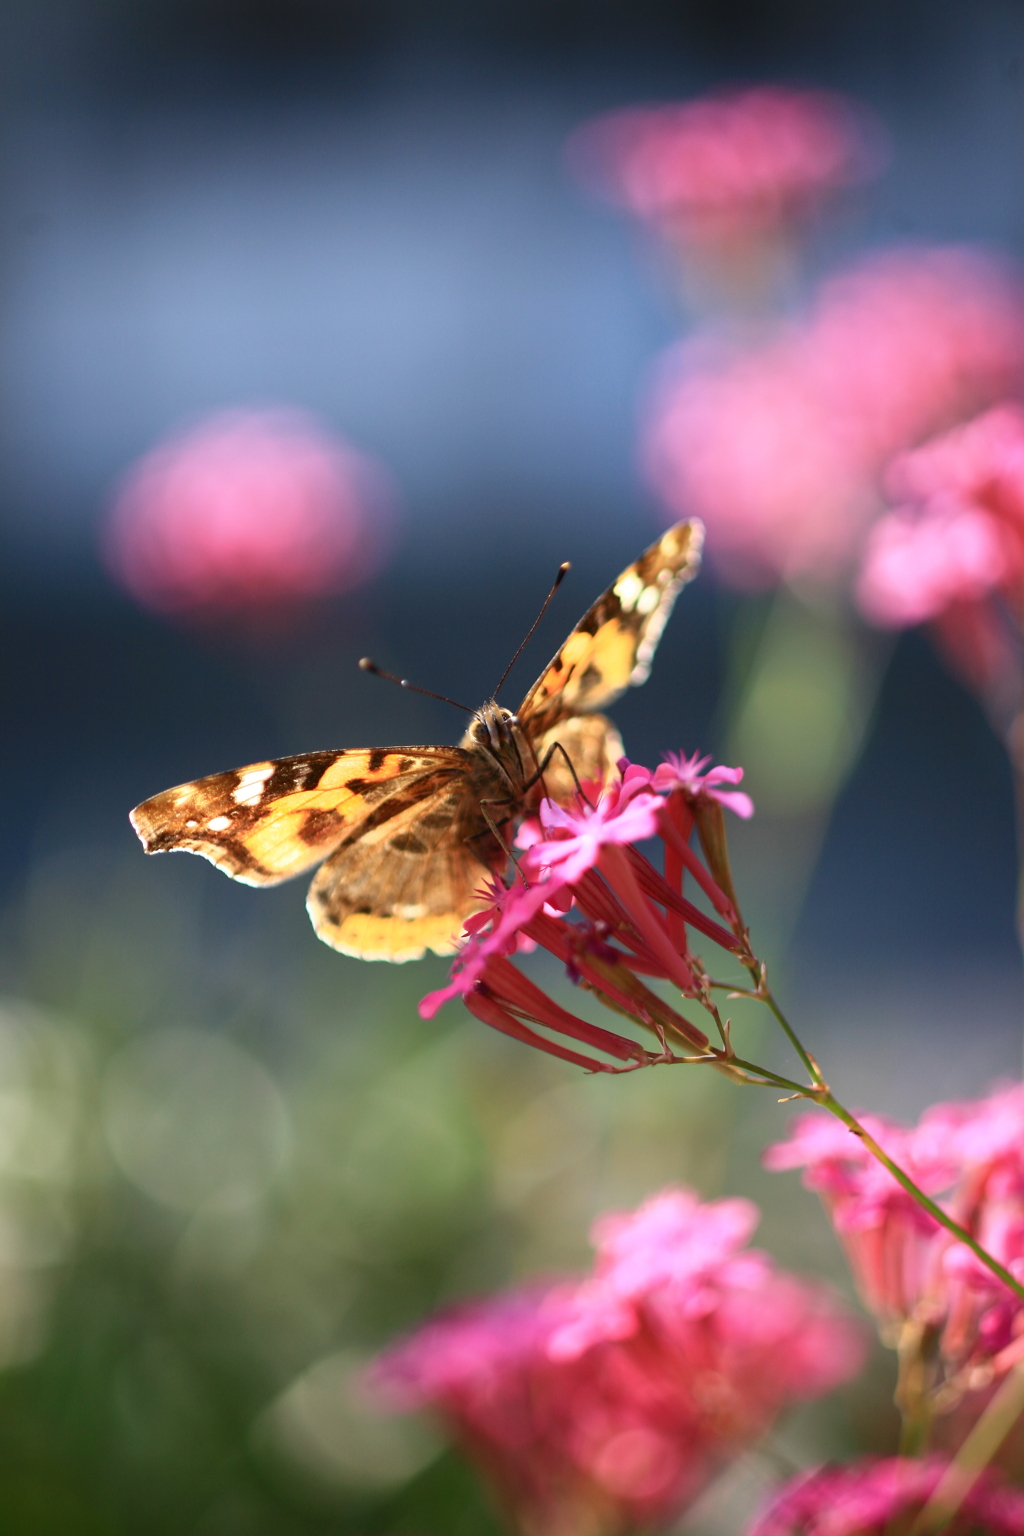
<point>497,733</point>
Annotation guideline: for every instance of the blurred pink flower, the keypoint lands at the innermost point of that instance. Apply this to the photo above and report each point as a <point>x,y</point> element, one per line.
<point>248,512</point>
<point>890,1242</point>
<point>728,166</point>
<point>917,567</point>
<point>598,1405</point>
<point>952,552</point>
<point>781,449</point>
<point>906,1265</point>
<point>873,1498</point>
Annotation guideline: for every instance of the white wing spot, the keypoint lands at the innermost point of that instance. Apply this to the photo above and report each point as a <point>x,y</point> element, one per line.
<point>648,600</point>
<point>628,589</point>
<point>191,825</point>
<point>251,785</point>
<point>219,824</point>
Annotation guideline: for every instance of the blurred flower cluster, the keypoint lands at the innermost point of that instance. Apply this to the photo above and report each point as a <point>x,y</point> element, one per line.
<point>917,1281</point>
<point>788,423</point>
<point>723,171</point>
<point>881,1497</point>
<point>951,553</point>
<point>249,513</point>
<point>780,446</point>
<point>599,1404</point>
<point>779,437</point>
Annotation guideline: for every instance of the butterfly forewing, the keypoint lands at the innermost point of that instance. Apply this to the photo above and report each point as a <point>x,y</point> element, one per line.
<point>614,642</point>
<point>272,820</point>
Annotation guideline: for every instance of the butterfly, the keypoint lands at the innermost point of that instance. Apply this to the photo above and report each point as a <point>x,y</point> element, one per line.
<point>405,836</point>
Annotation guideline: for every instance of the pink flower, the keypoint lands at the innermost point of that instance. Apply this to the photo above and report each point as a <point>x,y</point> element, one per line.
<point>248,512</point>
<point>584,892</point>
<point>982,461</point>
<point>893,1247</point>
<point>688,774</point>
<point>918,567</point>
<point>670,1240</point>
<point>728,165</point>
<point>680,1266</point>
<point>781,449</point>
<point>672,1244</point>
<point>510,1002</point>
<point>874,1498</point>
<point>905,1264</point>
<point>952,552</point>
<point>576,837</point>
<point>978,1133</point>
<point>499,929</point>
<point>684,1360</point>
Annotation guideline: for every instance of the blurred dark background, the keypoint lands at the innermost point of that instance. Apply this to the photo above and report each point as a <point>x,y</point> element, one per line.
<point>360,210</point>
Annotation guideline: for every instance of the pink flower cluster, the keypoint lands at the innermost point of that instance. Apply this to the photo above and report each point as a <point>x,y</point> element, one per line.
<point>250,511</point>
<point>598,1405</point>
<point>584,892</point>
<point>731,165</point>
<point>875,1498</point>
<point>781,449</point>
<point>953,550</point>
<point>906,1265</point>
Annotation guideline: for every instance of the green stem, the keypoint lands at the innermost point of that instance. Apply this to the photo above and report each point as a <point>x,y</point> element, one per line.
<point>913,1398</point>
<point>828,1101</point>
<point>984,1440</point>
<point>738,1070</point>
<point>773,1080</point>
<point>915,1428</point>
<point>825,1097</point>
<point>813,1070</point>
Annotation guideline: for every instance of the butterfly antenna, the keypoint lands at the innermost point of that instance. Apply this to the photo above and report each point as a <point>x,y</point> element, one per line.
<point>562,571</point>
<point>403,682</point>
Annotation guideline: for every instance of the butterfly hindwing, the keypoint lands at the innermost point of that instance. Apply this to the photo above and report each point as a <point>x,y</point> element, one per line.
<point>272,820</point>
<point>614,642</point>
<point>407,885</point>
<point>594,746</point>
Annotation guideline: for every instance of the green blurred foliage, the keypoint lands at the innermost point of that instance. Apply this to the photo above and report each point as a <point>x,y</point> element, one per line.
<point>234,1164</point>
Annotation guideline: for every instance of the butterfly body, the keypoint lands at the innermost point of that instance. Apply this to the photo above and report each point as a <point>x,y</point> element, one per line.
<point>497,738</point>
<point>406,836</point>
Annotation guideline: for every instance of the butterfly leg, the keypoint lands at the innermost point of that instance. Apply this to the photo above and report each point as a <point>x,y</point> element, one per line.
<point>494,829</point>
<point>556,746</point>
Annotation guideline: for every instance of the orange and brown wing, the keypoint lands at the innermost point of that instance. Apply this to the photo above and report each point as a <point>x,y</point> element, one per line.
<point>272,820</point>
<point>402,885</point>
<point>612,645</point>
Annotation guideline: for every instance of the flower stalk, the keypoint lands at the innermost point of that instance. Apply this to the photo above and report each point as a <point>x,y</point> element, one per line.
<point>588,894</point>
<point>831,1103</point>
<point>978,1449</point>
<point>584,891</point>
